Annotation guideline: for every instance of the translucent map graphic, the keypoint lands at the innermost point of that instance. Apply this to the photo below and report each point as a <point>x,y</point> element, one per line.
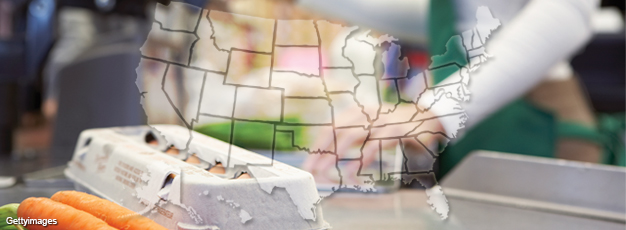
<point>310,78</point>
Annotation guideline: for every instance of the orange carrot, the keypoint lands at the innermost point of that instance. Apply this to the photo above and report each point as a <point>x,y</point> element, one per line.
<point>67,217</point>
<point>112,213</point>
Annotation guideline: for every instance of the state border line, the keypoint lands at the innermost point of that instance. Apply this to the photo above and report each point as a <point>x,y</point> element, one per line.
<point>332,108</point>
<point>195,33</point>
<point>182,65</point>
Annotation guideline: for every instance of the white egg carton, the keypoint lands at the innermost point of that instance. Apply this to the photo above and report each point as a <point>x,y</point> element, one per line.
<point>129,166</point>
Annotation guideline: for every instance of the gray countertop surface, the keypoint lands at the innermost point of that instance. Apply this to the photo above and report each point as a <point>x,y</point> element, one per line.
<point>403,209</point>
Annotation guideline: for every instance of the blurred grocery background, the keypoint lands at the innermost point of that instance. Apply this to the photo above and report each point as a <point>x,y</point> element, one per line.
<point>70,65</point>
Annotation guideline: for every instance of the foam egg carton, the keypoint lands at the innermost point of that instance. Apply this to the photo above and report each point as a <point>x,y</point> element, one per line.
<point>185,180</point>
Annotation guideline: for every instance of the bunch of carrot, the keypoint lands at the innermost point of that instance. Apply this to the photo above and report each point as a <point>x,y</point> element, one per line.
<point>78,210</point>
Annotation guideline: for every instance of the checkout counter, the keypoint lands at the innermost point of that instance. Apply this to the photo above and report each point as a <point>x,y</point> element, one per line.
<point>488,190</point>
